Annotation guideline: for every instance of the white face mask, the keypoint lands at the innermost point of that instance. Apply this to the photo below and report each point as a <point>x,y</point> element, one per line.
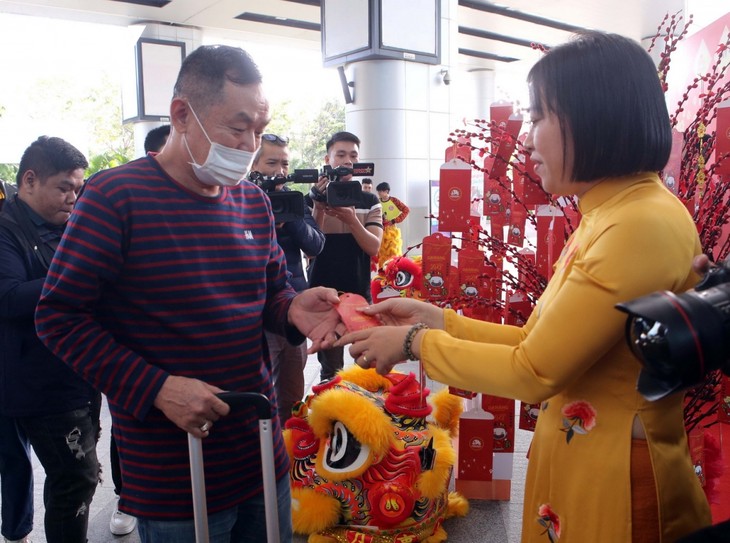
<point>224,166</point>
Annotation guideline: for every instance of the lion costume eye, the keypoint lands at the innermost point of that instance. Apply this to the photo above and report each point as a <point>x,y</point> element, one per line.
<point>344,452</point>
<point>403,279</point>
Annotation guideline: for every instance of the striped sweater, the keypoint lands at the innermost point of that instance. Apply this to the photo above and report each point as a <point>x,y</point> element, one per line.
<point>152,280</point>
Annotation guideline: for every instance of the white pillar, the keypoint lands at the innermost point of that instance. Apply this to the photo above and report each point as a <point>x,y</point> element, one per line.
<point>403,115</point>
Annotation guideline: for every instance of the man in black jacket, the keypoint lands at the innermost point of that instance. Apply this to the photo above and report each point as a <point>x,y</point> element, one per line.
<point>294,237</point>
<point>55,408</point>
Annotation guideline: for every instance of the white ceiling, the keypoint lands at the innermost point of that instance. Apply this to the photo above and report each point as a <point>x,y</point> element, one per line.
<point>635,18</point>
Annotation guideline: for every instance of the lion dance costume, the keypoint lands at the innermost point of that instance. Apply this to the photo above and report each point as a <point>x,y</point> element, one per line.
<point>367,465</point>
<point>394,212</point>
<point>400,277</point>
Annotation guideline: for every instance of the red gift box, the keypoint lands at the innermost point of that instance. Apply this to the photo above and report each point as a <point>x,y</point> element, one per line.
<point>528,416</point>
<point>533,194</point>
<point>436,265</point>
<point>460,149</point>
<point>517,308</point>
<point>517,223</point>
<point>505,136</point>
<point>454,196</point>
<point>550,238</point>
<point>723,413</point>
<point>496,196</point>
<point>497,223</point>
<point>499,114</point>
<point>474,449</point>
<point>722,144</point>
<point>673,169</point>
<point>470,269</point>
<point>503,410</point>
<point>462,393</point>
<point>528,257</point>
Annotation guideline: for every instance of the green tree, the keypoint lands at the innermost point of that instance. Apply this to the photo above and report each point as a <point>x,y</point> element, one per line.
<point>307,132</point>
<point>309,146</point>
<point>73,99</point>
<point>8,172</point>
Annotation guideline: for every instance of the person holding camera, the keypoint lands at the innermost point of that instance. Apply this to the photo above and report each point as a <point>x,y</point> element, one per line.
<point>294,237</point>
<point>352,235</point>
<point>606,464</point>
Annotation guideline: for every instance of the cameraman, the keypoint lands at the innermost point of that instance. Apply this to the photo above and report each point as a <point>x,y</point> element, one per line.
<point>288,361</point>
<point>353,235</point>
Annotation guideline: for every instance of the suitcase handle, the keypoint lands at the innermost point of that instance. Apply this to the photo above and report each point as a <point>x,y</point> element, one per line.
<point>264,412</point>
<point>242,399</point>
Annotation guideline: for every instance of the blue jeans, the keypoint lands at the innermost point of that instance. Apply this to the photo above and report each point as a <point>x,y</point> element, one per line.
<point>16,480</point>
<point>245,523</point>
<point>66,446</point>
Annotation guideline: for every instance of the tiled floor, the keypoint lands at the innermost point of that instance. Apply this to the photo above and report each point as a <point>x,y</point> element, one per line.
<point>487,521</point>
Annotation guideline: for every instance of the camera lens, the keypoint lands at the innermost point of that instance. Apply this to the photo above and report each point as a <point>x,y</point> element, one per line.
<point>679,338</point>
<point>278,206</point>
<point>649,342</point>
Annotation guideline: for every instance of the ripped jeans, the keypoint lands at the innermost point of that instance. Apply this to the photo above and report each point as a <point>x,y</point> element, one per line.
<point>65,444</point>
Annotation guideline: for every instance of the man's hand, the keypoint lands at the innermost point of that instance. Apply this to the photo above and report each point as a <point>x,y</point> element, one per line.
<point>313,313</point>
<point>322,183</point>
<point>345,214</point>
<point>191,404</point>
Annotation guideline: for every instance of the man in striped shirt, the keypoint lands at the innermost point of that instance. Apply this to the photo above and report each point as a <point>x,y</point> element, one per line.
<point>159,294</point>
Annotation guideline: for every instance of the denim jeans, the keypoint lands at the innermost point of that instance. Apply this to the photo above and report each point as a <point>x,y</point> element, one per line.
<point>65,444</point>
<point>16,480</point>
<point>245,523</point>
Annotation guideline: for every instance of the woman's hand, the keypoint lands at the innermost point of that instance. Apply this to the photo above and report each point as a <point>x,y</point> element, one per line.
<point>402,311</point>
<point>380,347</point>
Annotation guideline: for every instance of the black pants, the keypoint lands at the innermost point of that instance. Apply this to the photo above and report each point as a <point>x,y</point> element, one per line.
<point>65,444</point>
<point>332,361</point>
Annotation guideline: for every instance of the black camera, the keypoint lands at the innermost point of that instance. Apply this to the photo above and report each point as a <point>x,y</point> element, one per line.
<point>342,193</point>
<point>287,205</point>
<point>680,338</point>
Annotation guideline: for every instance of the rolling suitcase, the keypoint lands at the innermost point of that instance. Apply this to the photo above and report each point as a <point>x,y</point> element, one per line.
<point>200,508</point>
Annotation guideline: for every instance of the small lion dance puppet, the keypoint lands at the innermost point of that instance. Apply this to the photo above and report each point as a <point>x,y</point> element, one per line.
<point>400,277</point>
<point>367,465</point>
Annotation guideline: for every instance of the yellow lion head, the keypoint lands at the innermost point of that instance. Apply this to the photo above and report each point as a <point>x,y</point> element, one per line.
<point>371,460</point>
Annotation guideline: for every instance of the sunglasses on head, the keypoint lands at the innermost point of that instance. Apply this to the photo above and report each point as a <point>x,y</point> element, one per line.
<point>273,138</point>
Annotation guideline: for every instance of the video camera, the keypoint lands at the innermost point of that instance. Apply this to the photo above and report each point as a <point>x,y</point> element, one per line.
<point>680,338</point>
<point>287,205</point>
<point>342,193</point>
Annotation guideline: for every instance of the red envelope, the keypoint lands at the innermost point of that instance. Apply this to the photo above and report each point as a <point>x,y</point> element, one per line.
<point>348,310</point>
<point>454,196</point>
<point>722,146</point>
<point>460,149</point>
